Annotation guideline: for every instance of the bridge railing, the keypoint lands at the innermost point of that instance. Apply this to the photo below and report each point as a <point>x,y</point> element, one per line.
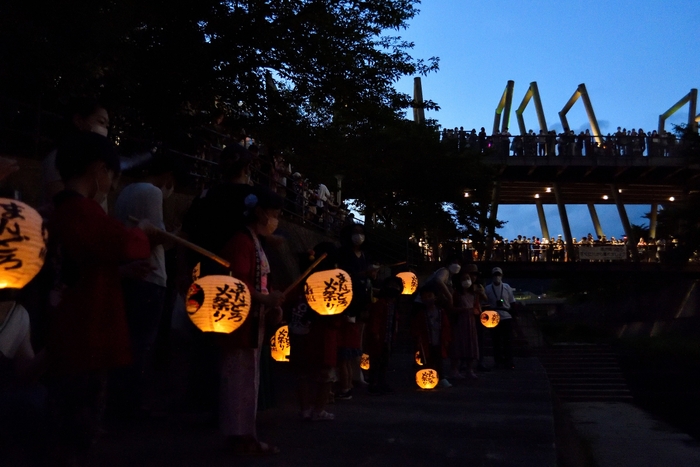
<point>661,252</point>
<point>569,145</point>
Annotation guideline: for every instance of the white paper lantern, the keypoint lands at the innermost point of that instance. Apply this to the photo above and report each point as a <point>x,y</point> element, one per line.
<point>410,282</point>
<point>427,379</point>
<point>218,303</point>
<point>328,292</point>
<point>23,241</point>
<point>279,345</point>
<point>490,318</point>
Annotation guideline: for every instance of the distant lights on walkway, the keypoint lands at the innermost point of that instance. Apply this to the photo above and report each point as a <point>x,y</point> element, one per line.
<point>605,196</point>
<point>672,198</point>
<point>537,195</point>
<point>548,190</point>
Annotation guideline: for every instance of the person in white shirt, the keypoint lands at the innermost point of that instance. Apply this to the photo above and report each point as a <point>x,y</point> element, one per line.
<point>324,201</point>
<point>145,284</point>
<point>500,298</point>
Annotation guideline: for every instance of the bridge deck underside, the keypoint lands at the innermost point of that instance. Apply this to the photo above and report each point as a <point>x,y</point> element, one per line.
<point>582,180</point>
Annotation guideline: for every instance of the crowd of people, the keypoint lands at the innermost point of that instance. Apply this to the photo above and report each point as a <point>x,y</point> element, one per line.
<point>311,202</point>
<point>534,249</point>
<point>622,143</point>
<point>78,344</point>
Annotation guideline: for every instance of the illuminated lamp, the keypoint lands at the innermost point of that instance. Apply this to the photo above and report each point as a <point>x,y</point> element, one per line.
<point>427,379</point>
<point>419,361</point>
<point>364,362</point>
<point>410,282</point>
<point>328,292</point>
<point>23,240</point>
<point>279,345</point>
<point>218,303</point>
<point>490,318</point>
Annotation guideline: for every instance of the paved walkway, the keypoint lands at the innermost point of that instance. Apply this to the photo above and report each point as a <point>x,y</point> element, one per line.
<point>620,434</point>
<point>502,419</point>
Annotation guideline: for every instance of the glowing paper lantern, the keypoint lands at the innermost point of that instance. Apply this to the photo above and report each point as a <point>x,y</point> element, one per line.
<point>426,379</point>
<point>410,282</point>
<point>22,243</point>
<point>490,318</point>
<point>364,362</point>
<point>419,361</point>
<point>279,345</point>
<point>328,292</point>
<point>218,303</point>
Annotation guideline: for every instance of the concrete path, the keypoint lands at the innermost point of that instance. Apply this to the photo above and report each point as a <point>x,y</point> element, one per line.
<point>502,419</point>
<point>620,434</point>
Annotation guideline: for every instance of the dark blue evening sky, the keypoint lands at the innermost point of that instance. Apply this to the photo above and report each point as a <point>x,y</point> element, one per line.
<point>637,58</point>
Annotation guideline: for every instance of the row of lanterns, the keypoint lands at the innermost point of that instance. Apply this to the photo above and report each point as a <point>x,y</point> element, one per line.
<point>215,303</point>
<point>221,303</point>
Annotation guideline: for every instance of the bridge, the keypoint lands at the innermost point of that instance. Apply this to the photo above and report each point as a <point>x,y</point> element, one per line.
<point>585,169</point>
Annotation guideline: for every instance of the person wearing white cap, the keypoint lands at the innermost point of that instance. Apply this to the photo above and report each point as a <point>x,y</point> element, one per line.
<point>500,297</point>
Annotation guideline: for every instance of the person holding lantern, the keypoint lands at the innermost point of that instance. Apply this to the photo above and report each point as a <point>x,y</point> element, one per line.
<point>381,329</point>
<point>144,291</point>
<point>464,347</point>
<point>353,260</point>
<point>500,297</point>
<point>86,115</point>
<point>87,335</point>
<point>313,340</point>
<point>431,330</point>
<point>240,359</point>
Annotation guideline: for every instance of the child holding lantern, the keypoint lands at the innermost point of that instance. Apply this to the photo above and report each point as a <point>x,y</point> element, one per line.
<point>381,329</point>
<point>431,329</point>
<point>88,334</point>
<point>314,342</point>
<point>240,362</point>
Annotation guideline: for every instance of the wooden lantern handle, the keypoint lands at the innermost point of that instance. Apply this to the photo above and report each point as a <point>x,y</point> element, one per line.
<point>190,245</point>
<point>306,273</point>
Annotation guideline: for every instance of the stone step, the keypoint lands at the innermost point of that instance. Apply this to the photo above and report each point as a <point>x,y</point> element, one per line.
<point>596,398</point>
<point>590,386</point>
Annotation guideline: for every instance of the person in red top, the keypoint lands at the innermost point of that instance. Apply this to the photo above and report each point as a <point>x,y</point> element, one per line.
<point>431,329</point>
<point>87,333</point>
<point>381,329</point>
<point>240,360</point>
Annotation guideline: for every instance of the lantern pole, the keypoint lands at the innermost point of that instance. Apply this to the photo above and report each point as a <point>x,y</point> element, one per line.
<point>190,245</point>
<point>306,273</point>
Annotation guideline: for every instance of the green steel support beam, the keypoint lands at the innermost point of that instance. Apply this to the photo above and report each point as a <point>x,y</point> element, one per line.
<point>583,94</point>
<point>495,198</point>
<point>692,99</point>
<point>595,129</point>
<point>538,106</point>
<point>532,93</point>
<point>596,221</point>
<point>652,220</point>
<point>564,222</point>
<point>625,221</point>
<point>504,104</point>
<point>543,219</point>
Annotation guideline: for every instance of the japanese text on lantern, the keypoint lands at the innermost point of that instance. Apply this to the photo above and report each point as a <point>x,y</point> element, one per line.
<point>335,291</point>
<point>229,301</point>
<point>281,338</point>
<point>10,233</point>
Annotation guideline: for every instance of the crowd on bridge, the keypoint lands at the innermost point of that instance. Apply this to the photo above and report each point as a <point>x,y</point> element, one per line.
<point>554,249</point>
<point>622,143</point>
